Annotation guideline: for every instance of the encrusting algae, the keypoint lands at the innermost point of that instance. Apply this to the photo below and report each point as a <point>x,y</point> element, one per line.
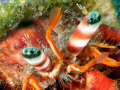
<point>12,12</point>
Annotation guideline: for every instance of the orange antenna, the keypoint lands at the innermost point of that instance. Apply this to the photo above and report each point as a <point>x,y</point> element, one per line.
<point>54,17</point>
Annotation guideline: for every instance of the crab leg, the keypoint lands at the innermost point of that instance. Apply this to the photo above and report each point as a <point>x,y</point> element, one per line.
<point>102,45</point>
<point>99,58</point>
<point>109,61</point>
<point>32,81</point>
<point>76,67</point>
<point>54,17</point>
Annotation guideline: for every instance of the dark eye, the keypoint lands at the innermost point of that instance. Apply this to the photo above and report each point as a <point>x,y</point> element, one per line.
<point>31,52</point>
<point>94,19</point>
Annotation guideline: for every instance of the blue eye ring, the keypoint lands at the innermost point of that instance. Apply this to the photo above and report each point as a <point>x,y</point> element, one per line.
<point>94,19</point>
<point>31,52</point>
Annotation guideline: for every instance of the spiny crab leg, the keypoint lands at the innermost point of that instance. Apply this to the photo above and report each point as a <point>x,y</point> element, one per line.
<point>32,81</point>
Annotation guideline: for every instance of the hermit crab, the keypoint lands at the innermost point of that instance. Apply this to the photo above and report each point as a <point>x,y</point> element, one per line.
<point>36,63</point>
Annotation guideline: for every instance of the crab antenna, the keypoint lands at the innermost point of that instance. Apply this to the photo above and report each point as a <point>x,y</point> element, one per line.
<point>54,17</point>
<point>83,33</point>
<point>82,8</point>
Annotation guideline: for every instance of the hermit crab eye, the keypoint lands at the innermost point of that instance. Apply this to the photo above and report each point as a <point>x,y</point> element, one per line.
<point>36,58</point>
<point>31,52</point>
<point>94,19</point>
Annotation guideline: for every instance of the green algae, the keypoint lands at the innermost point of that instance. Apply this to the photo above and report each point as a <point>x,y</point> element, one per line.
<point>13,12</point>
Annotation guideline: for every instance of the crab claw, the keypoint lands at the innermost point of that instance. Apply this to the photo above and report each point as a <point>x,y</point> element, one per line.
<point>32,82</point>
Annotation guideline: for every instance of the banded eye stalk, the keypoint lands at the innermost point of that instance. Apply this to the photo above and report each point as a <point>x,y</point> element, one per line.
<point>84,33</point>
<point>35,57</point>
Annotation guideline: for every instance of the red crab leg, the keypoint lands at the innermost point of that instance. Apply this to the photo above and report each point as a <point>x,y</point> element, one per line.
<point>54,17</point>
<point>32,81</point>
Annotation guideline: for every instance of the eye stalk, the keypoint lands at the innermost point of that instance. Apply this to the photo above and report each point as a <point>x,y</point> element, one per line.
<point>94,19</point>
<point>37,58</point>
<point>83,33</point>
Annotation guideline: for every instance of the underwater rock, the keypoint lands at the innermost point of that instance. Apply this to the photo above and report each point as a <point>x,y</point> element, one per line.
<point>12,12</point>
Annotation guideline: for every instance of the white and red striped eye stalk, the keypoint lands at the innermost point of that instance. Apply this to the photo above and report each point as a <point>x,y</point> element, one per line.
<point>83,33</point>
<point>35,57</point>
